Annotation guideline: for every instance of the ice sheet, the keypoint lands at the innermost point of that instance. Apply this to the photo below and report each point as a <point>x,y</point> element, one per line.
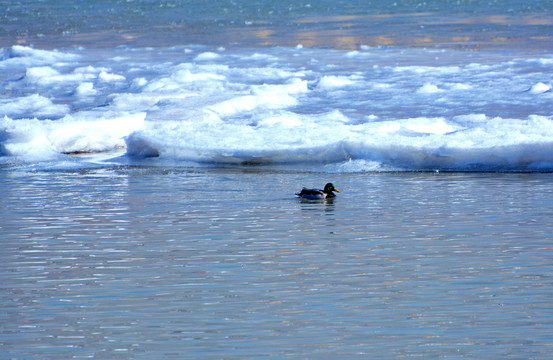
<point>375,109</point>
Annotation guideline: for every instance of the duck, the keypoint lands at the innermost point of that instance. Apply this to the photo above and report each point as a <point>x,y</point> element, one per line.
<point>317,194</point>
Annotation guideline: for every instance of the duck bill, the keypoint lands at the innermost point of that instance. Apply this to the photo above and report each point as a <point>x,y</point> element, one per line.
<point>336,190</point>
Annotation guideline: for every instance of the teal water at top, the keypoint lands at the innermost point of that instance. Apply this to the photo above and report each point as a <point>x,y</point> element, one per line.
<point>207,21</point>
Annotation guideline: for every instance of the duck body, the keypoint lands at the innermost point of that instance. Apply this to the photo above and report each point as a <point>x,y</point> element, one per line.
<point>317,194</point>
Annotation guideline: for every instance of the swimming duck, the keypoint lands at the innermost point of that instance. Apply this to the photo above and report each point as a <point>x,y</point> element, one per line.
<point>317,194</point>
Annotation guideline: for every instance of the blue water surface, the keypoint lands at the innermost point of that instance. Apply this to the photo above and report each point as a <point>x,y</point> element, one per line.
<point>322,23</point>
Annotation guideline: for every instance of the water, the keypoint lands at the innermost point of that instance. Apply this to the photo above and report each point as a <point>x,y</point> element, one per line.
<point>150,152</point>
<point>227,264</point>
<point>344,24</point>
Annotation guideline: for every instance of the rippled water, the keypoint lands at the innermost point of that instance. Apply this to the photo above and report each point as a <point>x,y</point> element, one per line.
<point>323,23</point>
<point>176,264</point>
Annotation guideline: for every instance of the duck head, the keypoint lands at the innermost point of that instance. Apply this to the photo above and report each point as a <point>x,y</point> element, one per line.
<point>330,188</point>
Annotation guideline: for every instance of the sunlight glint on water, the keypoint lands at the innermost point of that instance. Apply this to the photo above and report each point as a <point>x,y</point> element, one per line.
<point>198,268</point>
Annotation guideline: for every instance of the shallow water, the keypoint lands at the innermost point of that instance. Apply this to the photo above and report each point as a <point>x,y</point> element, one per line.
<point>185,264</point>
